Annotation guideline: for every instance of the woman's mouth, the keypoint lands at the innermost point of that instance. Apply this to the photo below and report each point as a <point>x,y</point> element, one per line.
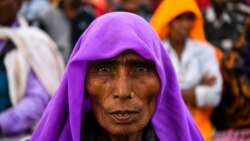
<point>124,117</point>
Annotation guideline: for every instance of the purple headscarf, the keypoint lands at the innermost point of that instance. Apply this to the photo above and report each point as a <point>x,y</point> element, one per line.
<point>107,37</point>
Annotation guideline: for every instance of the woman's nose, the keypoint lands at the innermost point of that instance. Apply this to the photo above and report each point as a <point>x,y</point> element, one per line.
<point>122,83</point>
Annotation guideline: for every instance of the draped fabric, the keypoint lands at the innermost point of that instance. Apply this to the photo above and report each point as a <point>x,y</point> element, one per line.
<point>107,37</point>
<point>34,50</point>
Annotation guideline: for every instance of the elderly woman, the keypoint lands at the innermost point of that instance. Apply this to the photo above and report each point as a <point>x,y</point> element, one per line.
<point>119,85</point>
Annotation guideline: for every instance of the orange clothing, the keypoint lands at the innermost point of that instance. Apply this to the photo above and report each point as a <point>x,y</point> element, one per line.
<point>164,14</point>
<point>169,9</point>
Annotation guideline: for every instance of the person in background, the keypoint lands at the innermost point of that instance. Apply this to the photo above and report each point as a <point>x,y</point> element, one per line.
<point>119,85</point>
<point>31,67</point>
<point>220,25</point>
<point>33,9</point>
<point>134,6</point>
<point>180,26</point>
<point>65,23</point>
<point>231,118</point>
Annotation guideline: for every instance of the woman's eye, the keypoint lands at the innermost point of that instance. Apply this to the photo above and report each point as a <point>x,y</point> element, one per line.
<point>103,68</point>
<point>141,68</point>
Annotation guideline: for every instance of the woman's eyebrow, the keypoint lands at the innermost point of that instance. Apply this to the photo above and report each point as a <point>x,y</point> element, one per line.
<point>126,61</point>
<point>100,62</point>
<point>138,62</point>
<point>134,61</point>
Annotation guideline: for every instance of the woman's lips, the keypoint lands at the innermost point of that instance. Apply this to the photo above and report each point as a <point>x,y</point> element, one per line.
<point>124,117</point>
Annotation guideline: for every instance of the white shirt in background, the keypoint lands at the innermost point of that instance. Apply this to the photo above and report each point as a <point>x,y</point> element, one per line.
<point>197,60</point>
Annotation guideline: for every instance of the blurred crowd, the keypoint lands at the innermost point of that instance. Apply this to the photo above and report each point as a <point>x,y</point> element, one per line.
<point>208,42</point>
<point>225,18</point>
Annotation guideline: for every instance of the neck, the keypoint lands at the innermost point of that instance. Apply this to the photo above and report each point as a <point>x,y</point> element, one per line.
<point>104,136</point>
<point>178,45</point>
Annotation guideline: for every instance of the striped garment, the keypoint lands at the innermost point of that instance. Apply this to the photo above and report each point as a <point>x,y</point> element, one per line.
<point>232,135</point>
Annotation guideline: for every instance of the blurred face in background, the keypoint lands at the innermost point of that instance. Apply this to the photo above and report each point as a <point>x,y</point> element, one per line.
<point>8,11</point>
<point>71,7</point>
<point>180,27</point>
<point>131,5</point>
<point>123,92</point>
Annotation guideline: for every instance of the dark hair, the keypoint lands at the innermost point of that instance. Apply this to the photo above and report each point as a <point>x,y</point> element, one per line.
<point>70,3</point>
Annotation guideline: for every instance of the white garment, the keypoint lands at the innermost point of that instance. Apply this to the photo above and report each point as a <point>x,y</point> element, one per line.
<point>36,51</point>
<point>197,60</point>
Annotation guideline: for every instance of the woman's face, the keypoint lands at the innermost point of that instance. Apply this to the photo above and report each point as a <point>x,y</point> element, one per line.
<point>180,27</point>
<point>123,92</point>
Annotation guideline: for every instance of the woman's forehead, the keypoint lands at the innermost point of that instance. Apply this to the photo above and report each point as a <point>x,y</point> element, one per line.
<point>127,55</point>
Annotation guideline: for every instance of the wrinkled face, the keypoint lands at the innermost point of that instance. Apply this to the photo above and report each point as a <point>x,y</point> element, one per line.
<point>180,27</point>
<point>123,92</point>
<point>8,11</point>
